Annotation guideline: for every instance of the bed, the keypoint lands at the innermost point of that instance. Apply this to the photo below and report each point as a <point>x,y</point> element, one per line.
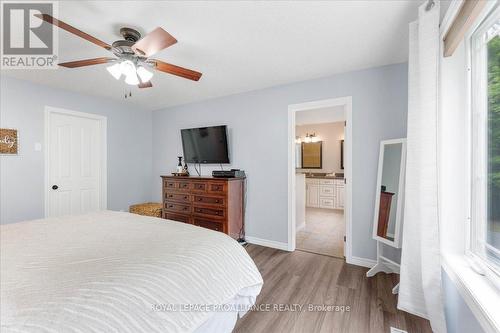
<point>119,272</point>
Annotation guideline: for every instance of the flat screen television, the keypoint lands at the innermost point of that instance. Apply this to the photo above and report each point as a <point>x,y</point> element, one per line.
<point>205,145</point>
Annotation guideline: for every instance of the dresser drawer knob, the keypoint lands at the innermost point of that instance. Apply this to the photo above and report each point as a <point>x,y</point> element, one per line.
<point>200,199</point>
<point>185,208</point>
<point>185,197</point>
<point>170,206</point>
<point>216,200</point>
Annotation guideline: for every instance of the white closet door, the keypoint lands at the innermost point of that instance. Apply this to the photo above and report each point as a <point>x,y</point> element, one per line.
<point>74,162</point>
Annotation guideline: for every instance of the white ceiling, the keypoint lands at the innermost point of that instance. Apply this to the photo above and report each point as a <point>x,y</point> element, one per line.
<point>239,46</point>
<point>321,115</point>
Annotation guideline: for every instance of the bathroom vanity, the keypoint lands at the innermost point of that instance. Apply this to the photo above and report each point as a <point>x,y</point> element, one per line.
<point>325,191</point>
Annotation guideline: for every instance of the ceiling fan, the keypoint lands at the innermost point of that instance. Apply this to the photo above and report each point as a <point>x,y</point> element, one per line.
<point>132,54</point>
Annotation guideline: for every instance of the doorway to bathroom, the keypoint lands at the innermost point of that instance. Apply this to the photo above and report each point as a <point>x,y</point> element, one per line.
<point>320,165</point>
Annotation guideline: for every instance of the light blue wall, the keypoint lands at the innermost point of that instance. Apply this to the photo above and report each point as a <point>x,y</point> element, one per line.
<point>257,123</point>
<point>459,317</point>
<point>258,141</point>
<point>21,177</point>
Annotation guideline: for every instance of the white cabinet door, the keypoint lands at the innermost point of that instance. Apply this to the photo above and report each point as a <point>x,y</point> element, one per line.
<point>312,195</point>
<point>339,196</point>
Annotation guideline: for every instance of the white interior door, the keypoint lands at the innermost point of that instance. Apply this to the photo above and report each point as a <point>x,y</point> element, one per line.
<point>75,161</point>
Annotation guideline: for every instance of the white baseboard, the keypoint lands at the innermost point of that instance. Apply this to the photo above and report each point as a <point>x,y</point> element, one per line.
<point>362,262</point>
<point>267,243</point>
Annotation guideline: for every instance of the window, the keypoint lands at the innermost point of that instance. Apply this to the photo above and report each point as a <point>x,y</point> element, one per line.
<point>485,107</point>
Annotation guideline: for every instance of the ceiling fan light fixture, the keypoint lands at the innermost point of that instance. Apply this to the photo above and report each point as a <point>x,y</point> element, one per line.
<point>115,70</point>
<point>127,68</point>
<point>144,74</point>
<point>132,79</point>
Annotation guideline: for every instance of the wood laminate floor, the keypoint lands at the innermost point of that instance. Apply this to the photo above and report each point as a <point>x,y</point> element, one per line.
<point>323,232</point>
<point>306,278</point>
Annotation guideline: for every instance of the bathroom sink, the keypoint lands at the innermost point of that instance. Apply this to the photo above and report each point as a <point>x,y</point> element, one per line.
<point>316,175</point>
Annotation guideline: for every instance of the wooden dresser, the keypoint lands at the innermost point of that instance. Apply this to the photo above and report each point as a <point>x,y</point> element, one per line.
<point>213,203</point>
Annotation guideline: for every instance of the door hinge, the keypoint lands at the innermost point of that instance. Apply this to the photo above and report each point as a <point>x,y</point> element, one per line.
<point>344,239</point>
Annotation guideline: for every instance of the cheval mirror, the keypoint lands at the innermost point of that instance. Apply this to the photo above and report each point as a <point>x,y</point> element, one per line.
<point>389,206</point>
<point>389,199</point>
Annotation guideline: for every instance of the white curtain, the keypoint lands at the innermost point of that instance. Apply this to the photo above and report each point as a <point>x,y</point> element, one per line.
<point>420,282</point>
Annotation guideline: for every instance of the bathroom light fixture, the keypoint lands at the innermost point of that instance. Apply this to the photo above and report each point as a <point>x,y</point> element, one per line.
<point>311,138</point>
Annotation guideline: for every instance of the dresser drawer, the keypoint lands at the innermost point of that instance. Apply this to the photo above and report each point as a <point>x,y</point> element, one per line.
<point>184,186</point>
<point>177,207</point>
<point>177,217</point>
<point>217,187</point>
<point>170,185</point>
<point>326,191</point>
<point>177,185</point>
<point>215,201</point>
<point>199,187</point>
<point>179,197</point>
<point>209,224</point>
<point>212,212</point>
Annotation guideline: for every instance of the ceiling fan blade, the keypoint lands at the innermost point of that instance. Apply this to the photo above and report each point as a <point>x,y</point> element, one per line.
<point>73,30</point>
<point>145,85</point>
<point>86,62</point>
<point>153,42</point>
<point>175,70</point>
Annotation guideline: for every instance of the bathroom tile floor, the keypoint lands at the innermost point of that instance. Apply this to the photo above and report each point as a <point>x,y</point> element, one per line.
<point>323,232</point>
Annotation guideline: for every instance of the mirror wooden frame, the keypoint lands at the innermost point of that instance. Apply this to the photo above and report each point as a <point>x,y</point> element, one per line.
<point>320,155</point>
<point>400,201</point>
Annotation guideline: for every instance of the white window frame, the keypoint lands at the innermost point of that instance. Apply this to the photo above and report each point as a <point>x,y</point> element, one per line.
<point>478,150</point>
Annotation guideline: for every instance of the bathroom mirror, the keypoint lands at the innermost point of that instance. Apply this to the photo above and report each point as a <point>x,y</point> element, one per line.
<point>389,199</point>
<point>312,155</point>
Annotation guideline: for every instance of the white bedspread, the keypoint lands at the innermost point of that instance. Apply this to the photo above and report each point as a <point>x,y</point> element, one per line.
<point>117,272</point>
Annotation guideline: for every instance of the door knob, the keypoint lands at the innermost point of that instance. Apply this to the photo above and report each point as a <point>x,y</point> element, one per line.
<point>55,187</point>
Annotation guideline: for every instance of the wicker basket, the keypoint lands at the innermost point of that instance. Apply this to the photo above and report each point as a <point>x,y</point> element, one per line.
<point>148,209</point>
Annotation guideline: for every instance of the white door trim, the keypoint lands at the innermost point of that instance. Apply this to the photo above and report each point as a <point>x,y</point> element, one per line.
<point>103,175</point>
<point>292,109</point>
